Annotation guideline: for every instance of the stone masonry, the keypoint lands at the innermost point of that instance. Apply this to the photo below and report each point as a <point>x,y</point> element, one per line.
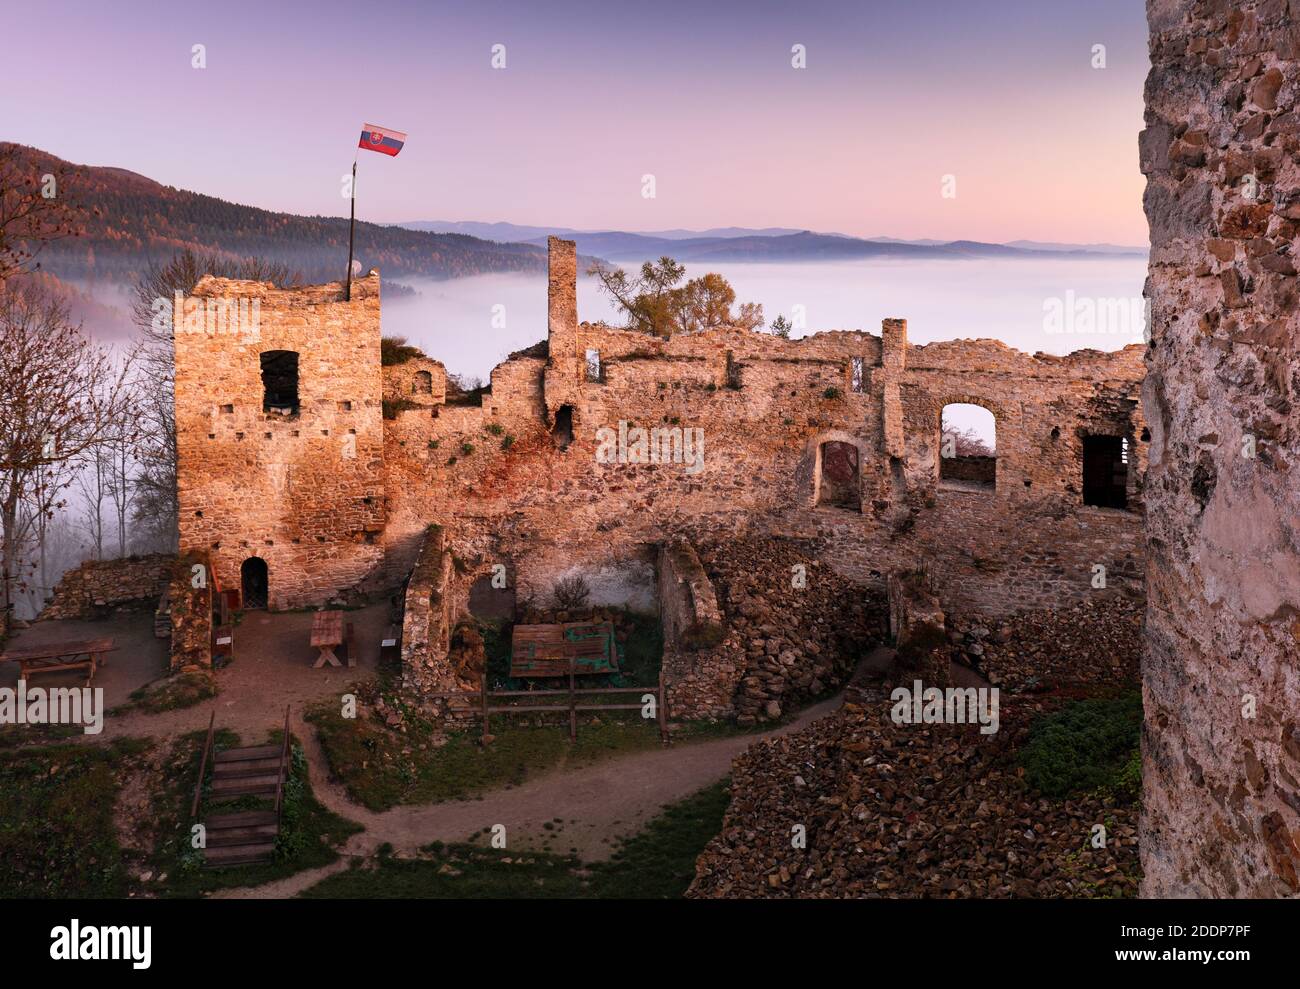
<point>744,429</point>
<point>1221,664</point>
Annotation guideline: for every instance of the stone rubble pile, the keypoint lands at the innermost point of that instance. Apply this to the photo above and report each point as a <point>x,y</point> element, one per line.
<point>795,633</point>
<point>908,811</point>
<point>1093,642</point>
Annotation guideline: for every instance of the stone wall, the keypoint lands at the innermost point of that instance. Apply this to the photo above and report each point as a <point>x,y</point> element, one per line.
<point>1221,664</point>
<point>918,626</point>
<point>191,612</point>
<point>429,615</point>
<point>97,586</point>
<point>700,678</point>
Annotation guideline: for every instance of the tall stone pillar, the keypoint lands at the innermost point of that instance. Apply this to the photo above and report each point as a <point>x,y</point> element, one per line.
<point>565,364</point>
<point>893,360</point>
<point>1221,663</point>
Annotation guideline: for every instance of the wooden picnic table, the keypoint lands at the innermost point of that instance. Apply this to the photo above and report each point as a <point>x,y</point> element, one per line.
<point>52,657</point>
<point>326,635</point>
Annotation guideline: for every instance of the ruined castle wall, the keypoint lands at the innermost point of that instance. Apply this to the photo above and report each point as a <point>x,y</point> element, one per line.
<point>305,492</point>
<point>89,590</point>
<point>502,481</point>
<point>420,380</point>
<point>1221,663</point>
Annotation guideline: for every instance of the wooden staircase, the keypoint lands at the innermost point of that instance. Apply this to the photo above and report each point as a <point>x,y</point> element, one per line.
<point>247,836</point>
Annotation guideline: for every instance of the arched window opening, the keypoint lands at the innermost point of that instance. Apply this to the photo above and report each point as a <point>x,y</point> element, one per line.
<point>968,457</point>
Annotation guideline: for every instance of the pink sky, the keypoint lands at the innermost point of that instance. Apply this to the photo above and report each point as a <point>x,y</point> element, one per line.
<point>1001,95</point>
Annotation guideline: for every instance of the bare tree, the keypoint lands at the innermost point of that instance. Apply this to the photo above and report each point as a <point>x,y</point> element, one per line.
<point>59,396</point>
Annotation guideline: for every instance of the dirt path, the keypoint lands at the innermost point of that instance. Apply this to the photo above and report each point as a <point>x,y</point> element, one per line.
<point>589,808</point>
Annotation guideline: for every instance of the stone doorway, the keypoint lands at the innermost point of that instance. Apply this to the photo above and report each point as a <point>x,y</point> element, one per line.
<point>1105,471</point>
<point>254,580</point>
<point>840,485</point>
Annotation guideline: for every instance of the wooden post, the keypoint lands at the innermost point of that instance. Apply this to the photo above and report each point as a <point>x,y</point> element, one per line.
<point>484,695</point>
<point>663,710</point>
<point>573,714</point>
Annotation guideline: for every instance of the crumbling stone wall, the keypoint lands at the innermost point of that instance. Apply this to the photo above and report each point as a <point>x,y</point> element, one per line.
<point>97,586</point>
<point>191,612</point>
<point>700,678</point>
<point>918,626</point>
<point>1221,664</point>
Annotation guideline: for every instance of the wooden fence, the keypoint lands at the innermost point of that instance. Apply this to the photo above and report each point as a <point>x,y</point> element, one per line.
<point>480,702</point>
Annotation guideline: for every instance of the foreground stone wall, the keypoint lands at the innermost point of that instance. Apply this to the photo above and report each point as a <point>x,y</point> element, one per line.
<point>90,590</point>
<point>1221,666</point>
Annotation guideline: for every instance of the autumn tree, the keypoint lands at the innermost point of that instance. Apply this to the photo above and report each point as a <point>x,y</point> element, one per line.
<point>655,302</point>
<point>35,208</point>
<point>60,396</point>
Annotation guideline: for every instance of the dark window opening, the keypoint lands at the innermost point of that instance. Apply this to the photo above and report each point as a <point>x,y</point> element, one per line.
<point>1105,471</point>
<point>733,372</point>
<point>840,482</point>
<point>489,602</point>
<point>562,431</point>
<point>254,582</point>
<point>280,382</point>
<point>423,383</point>
<point>968,448</point>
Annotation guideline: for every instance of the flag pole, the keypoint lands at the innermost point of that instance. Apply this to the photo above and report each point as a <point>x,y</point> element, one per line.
<point>352,227</point>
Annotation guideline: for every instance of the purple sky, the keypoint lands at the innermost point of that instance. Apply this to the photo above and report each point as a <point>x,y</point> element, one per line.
<point>1000,94</point>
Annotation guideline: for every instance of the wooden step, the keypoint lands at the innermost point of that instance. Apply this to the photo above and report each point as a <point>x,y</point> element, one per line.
<point>238,854</point>
<point>240,819</point>
<point>243,836</point>
<point>248,767</point>
<point>249,752</point>
<point>240,785</point>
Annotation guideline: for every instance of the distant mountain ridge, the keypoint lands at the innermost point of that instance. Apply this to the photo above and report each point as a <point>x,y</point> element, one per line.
<point>131,220</point>
<point>766,244</point>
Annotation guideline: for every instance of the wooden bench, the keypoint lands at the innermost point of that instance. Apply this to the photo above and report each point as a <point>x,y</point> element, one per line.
<point>349,649</point>
<point>53,657</point>
<point>326,636</point>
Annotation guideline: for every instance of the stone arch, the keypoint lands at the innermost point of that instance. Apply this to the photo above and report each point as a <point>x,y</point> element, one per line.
<point>254,583</point>
<point>965,468</point>
<point>815,455</point>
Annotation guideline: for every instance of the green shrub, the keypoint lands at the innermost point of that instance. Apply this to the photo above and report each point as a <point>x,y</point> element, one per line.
<point>1087,746</point>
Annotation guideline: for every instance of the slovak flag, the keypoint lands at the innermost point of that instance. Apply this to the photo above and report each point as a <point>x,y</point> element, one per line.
<point>386,142</point>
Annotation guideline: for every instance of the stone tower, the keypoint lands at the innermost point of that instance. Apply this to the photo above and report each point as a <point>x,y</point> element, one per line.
<point>279,434</point>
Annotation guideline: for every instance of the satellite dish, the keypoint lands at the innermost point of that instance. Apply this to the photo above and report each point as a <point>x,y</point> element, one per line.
<point>356,268</point>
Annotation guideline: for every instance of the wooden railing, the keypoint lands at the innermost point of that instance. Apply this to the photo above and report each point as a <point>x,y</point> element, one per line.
<point>284,758</point>
<point>481,700</point>
<point>203,765</point>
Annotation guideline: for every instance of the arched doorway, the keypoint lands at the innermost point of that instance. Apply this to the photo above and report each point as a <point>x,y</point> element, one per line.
<point>254,582</point>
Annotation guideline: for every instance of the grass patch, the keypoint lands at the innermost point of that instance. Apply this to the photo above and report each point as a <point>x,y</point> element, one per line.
<point>173,693</point>
<point>419,762</point>
<point>308,835</point>
<point>657,863</point>
<point>57,837</point>
<point>1088,746</point>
